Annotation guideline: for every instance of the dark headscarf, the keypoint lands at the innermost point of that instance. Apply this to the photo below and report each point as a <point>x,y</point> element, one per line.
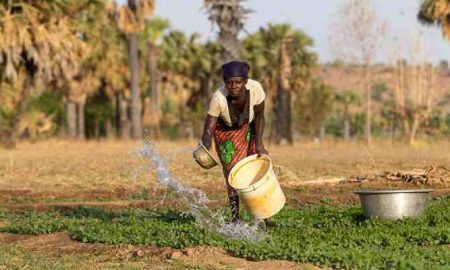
<point>235,69</point>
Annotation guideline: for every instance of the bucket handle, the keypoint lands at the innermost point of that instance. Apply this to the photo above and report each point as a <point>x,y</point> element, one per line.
<point>254,186</point>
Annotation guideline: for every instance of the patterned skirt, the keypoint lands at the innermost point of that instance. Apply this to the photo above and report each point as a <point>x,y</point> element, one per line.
<point>232,145</point>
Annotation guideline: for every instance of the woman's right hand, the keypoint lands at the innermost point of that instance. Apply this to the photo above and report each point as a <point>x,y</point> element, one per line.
<point>207,142</point>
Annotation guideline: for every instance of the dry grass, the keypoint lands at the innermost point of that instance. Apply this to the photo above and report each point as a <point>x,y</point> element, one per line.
<point>98,169</point>
<point>311,161</point>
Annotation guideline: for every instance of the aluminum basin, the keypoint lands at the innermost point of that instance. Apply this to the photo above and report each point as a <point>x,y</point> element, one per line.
<point>394,204</point>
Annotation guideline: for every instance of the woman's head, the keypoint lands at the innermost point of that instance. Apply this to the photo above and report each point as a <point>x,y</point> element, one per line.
<point>235,74</point>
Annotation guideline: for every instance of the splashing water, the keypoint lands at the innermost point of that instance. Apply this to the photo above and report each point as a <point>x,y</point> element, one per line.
<point>196,200</point>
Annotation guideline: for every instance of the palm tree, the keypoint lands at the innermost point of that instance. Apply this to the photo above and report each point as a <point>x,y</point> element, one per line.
<point>229,15</point>
<point>153,32</point>
<point>34,35</point>
<point>151,35</point>
<point>191,68</point>
<point>131,20</point>
<point>205,67</point>
<point>347,98</point>
<point>174,62</point>
<point>204,59</point>
<point>436,12</point>
<point>285,69</point>
<point>314,107</point>
<point>91,25</point>
<point>114,70</point>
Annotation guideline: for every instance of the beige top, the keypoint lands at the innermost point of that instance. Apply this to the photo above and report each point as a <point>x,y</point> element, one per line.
<point>218,105</point>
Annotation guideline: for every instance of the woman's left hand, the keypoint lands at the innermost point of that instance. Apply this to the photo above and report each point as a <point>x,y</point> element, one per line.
<point>260,150</point>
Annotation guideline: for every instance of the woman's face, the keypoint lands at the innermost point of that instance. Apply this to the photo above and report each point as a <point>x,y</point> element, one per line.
<point>235,85</point>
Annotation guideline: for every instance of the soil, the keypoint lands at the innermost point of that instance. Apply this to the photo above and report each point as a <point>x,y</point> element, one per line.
<point>207,257</point>
<point>57,244</point>
<point>63,175</point>
<point>297,196</point>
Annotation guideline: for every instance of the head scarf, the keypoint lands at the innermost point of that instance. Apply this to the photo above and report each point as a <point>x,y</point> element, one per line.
<point>235,69</point>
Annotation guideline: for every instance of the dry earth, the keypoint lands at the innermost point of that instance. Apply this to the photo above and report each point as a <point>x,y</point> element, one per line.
<point>61,174</point>
<point>58,244</point>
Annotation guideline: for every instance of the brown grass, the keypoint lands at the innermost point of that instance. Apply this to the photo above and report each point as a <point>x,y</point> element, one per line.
<point>108,169</point>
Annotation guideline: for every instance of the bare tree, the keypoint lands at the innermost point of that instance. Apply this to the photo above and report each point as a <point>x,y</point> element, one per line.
<point>357,36</point>
<point>416,92</point>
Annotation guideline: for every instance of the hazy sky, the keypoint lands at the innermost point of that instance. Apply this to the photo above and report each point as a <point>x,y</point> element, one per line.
<point>312,17</point>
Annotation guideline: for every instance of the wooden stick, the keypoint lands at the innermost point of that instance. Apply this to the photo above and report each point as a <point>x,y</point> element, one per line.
<point>330,181</point>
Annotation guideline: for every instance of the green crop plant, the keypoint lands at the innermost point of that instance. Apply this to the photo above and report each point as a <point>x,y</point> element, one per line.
<point>324,235</point>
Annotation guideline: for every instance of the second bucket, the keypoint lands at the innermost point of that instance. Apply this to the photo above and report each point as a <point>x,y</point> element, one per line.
<point>253,177</point>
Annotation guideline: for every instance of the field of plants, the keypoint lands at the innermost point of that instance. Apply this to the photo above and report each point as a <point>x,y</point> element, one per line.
<point>97,205</point>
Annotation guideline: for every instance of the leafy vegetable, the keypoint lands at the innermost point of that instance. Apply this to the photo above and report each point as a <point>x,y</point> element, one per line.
<point>324,235</point>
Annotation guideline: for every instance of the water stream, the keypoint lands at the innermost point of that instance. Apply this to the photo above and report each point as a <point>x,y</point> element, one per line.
<point>197,201</point>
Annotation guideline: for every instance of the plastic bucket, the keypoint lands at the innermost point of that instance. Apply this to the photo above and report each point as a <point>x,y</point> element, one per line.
<point>258,186</point>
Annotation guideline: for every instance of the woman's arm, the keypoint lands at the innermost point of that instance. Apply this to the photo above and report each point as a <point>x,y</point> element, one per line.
<point>259,128</point>
<point>208,131</point>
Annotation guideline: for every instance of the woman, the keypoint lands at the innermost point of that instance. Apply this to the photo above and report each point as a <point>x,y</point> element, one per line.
<point>235,119</point>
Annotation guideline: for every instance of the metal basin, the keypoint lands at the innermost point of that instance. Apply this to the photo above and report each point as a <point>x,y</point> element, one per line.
<point>203,157</point>
<point>394,204</point>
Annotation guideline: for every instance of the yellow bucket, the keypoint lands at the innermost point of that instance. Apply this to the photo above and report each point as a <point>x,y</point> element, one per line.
<point>257,184</point>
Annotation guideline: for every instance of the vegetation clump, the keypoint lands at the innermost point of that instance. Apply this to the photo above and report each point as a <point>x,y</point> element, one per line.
<point>324,235</point>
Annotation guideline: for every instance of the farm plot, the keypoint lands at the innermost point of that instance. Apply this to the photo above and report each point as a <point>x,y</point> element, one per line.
<point>92,193</point>
<point>323,235</point>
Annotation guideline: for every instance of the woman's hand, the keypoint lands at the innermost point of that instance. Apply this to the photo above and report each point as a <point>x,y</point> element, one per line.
<point>259,129</point>
<point>207,142</point>
<point>260,150</point>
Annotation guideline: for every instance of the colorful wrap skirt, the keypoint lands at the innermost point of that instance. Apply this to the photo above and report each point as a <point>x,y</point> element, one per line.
<point>232,145</point>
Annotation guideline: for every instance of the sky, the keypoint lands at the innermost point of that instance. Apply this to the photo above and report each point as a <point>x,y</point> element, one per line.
<point>312,17</point>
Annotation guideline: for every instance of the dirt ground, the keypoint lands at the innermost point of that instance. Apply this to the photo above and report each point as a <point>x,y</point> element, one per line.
<point>61,174</point>
<point>145,257</point>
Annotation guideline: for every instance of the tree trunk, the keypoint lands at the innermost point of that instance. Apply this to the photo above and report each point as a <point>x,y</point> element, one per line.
<point>205,85</point>
<point>368,92</point>
<point>391,130</point>
<point>71,119</point>
<point>283,111</point>
<point>81,135</point>
<point>406,129</point>
<point>117,125</point>
<point>96,130</point>
<point>230,44</point>
<point>1,100</point>
<point>2,124</point>
<point>124,123</point>
<point>346,126</point>
<point>414,128</point>
<point>136,106</point>
<point>109,128</point>
<point>154,93</point>
<point>183,127</point>
<point>322,132</point>
<point>283,126</point>
<point>8,132</point>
